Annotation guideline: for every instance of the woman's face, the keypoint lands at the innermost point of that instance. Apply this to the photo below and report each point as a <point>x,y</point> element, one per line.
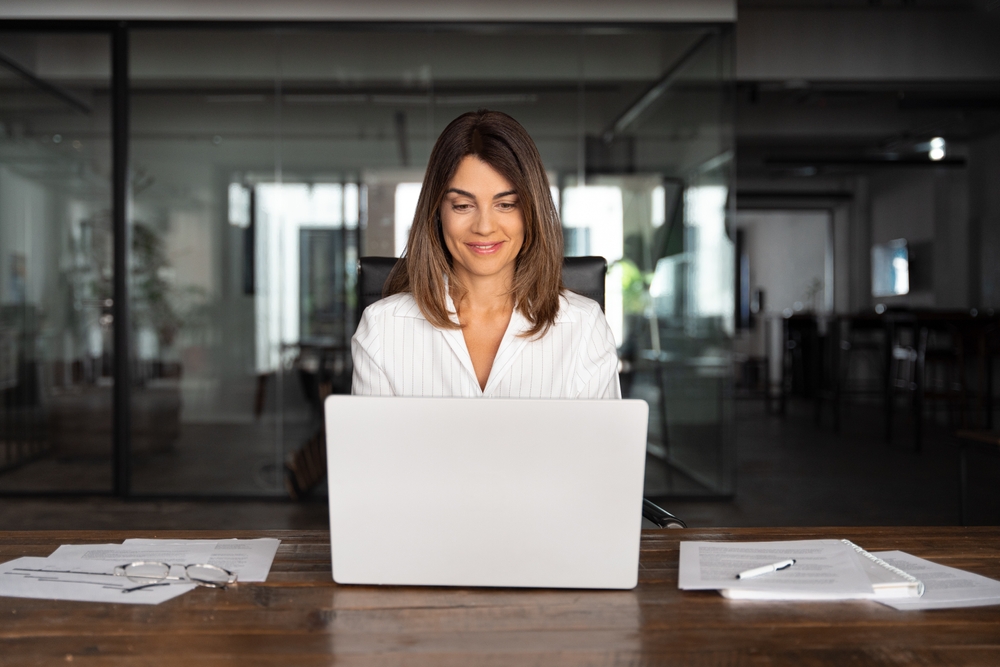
<point>482,221</point>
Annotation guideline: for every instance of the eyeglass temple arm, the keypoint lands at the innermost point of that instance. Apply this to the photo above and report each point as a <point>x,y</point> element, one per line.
<point>659,516</point>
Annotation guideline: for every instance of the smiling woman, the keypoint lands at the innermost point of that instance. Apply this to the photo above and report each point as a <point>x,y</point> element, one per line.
<point>483,229</point>
<point>482,225</point>
<point>476,306</point>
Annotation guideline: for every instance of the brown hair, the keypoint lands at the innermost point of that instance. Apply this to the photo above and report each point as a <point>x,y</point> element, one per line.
<point>501,142</point>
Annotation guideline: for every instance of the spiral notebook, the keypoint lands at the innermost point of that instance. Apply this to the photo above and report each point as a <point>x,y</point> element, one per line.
<point>822,570</point>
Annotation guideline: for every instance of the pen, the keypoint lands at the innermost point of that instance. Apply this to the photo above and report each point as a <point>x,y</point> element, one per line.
<point>764,569</point>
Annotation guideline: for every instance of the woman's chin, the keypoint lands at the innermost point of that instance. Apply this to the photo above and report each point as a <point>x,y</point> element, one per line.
<point>485,267</point>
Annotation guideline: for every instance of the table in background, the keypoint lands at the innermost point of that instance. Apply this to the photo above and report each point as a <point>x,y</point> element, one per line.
<point>300,617</point>
<point>956,349</point>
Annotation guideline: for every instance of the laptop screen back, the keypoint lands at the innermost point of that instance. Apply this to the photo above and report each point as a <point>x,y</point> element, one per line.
<point>472,492</point>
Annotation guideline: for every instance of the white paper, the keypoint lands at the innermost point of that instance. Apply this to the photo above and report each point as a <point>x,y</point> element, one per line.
<point>823,570</point>
<point>41,578</point>
<point>944,587</point>
<point>250,560</point>
<point>85,572</point>
<point>104,555</point>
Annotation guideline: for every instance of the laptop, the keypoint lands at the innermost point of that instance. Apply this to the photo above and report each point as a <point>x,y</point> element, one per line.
<point>485,492</point>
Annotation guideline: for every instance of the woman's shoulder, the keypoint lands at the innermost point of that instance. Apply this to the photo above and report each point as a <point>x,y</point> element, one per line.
<point>398,305</point>
<point>574,307</point>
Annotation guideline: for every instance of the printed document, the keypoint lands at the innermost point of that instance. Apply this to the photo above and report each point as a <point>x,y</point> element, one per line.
<point>249,559</point>
<point>41,578</point>
<point>86,572</point>
<point>945,587</point>
<point>823,569</point>
<point>109,556</point>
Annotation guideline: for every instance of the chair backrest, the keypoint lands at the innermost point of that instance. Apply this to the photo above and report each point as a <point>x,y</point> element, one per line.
<point>583,275</point>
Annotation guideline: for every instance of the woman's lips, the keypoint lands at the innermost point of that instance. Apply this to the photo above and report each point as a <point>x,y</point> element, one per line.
<point>484,248</point>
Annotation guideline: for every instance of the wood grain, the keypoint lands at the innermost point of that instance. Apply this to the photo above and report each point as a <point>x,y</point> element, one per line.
<point>300,617</point>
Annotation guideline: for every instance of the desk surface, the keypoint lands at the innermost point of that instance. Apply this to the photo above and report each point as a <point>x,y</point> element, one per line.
<point>300,617</point>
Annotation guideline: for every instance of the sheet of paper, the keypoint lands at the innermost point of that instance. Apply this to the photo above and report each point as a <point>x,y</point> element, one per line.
<point>823,569</point>
<point>41,578</point>
<point>944,587</point>
<point>107,556</point>
<point>249,559</point>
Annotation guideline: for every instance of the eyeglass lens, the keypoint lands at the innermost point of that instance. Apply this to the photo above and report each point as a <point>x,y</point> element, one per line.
<point>210,575</point>
<point>147,572</point>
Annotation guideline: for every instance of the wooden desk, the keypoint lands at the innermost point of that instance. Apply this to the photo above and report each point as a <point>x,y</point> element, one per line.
<point>300,617</point>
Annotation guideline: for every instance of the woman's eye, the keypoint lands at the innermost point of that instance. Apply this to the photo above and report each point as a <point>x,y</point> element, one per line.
<point>461,207</point>
<point>507,205</point>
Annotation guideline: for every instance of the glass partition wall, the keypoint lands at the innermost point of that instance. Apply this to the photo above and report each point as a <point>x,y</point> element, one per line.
<point>265,161</point>
<point>56,269</point>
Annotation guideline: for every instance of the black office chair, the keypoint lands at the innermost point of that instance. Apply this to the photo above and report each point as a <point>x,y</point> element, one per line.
<point>583,275</point>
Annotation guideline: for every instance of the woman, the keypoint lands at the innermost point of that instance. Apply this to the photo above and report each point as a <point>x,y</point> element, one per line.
<point>476,307</point>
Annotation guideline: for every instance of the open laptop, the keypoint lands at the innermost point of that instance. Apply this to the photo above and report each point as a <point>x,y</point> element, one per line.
<point>494,492</point>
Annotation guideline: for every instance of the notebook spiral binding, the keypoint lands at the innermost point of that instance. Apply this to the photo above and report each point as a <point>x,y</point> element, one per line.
<point>895,570</point>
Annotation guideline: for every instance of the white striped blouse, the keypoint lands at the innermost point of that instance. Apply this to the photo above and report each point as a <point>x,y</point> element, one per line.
<point>397,352</point>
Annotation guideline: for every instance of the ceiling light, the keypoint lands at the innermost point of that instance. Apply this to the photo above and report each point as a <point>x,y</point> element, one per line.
<point>936,151</point>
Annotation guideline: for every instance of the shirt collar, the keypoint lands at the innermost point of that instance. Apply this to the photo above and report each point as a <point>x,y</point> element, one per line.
<point>522,325</point>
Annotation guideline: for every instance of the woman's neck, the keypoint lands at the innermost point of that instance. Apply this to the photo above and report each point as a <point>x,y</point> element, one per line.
<point>484,295</point>
<point>484,312</point>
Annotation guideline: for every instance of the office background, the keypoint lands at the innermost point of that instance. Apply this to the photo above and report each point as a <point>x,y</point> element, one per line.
<point>189,189</point>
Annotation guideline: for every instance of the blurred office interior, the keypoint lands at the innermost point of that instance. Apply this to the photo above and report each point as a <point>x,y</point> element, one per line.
<point>798,202</point>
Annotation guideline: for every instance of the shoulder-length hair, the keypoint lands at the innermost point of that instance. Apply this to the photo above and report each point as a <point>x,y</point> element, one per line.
<point>501,142</point>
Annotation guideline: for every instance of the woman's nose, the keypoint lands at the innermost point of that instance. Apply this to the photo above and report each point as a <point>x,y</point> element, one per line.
<point>484,223</point>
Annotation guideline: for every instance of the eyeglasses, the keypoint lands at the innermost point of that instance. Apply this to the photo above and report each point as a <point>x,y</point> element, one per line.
<point>152,573</point>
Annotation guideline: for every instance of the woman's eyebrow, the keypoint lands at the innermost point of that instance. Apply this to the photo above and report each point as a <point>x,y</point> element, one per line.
<point>472,196</point>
